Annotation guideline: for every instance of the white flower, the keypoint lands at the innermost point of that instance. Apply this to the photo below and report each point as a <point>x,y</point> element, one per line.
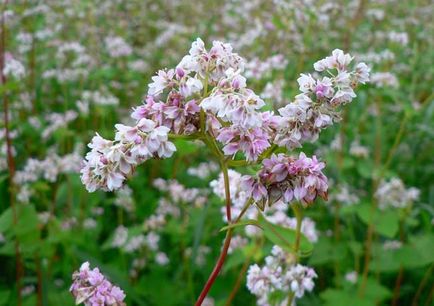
<point>161,259</point>
<point>191,86</point>
<point>160,82</point>
<point>306,83</point>
<point>13,68</point>
<point>362,73</point>
<point>351,277</point>
<point>338,60</point>
<point>301,279</point>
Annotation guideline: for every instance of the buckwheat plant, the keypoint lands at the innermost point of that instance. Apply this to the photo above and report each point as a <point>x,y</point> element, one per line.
<point>206,98</point>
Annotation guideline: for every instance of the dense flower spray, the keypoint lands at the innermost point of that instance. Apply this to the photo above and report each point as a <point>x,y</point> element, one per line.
<point>93,289</point>
<point>206,97</point>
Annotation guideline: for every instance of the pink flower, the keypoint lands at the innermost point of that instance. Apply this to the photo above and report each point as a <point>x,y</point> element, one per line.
<point>93,289</point>
<point>286,178</point>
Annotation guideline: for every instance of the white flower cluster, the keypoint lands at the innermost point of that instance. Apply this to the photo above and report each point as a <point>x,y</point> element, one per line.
<point>358,150</point>
<point>394,194</point>
<point>117,46</point>
<point>258,69</point>
<point>317,106</point>
<point>109,162</point>
<point>201,254</point>
<point>48,169</point>
<point>179,194</point>
<point>203,170</point>
<point>207,92</point>
<point>279,275</point>
<point>169,205</point>
<point>129,243</point>
<point>13,68</point>
<point>124,199</point>
<point>343,195</point>
<point>99,98</point>
<point>384,79</point>
<point>56,121</point>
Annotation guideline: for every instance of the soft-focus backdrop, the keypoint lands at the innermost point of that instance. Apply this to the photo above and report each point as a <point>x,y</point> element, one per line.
<point>71,68</point>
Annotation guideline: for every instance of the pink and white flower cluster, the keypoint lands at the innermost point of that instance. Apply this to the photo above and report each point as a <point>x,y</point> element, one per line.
<point>93,289</point>
<point>394,194</point>
<point>277,214</point>
<point>279,275</point>
<point>206,96</point>
<point>285,178</point>
<point>109,163</point>
<point>317,106</point>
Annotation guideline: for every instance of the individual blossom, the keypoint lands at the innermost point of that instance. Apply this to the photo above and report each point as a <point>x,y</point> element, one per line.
<point>92,288</point>
<point>351,277</point>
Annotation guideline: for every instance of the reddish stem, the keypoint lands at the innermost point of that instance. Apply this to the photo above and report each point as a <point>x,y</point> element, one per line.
<point>10,157</point>
<point>216,270</point>
<point>218,266</point>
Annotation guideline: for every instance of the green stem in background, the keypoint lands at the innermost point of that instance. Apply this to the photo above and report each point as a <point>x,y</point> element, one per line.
<point>422,284</point>
<point>391,153</point>
<point>298,212</point>
<point>10,157</point>
<point>398,282</point>
<point>370,231</point>
<point>39,290</point>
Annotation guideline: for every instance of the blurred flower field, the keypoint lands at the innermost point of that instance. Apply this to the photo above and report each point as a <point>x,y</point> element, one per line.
<point>263,152</point>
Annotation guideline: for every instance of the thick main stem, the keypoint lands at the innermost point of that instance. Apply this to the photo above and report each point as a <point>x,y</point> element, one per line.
<point>224,252</point>
<point>10,157</point>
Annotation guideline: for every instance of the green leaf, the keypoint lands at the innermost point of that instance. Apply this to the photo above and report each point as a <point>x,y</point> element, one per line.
<point>235,260</point>
<point>185,147</point>
<point>4,297</point>
<point>284,237</point>
<point>374,293</point>
<point>326,251</point>
<point>27,220</point>
<point>241,223</point>
<point>385,223</point>
<point>335,297</point>
<point>6,220</point>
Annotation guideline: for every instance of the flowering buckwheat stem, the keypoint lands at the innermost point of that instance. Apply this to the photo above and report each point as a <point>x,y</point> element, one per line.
<point>224,252</point>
